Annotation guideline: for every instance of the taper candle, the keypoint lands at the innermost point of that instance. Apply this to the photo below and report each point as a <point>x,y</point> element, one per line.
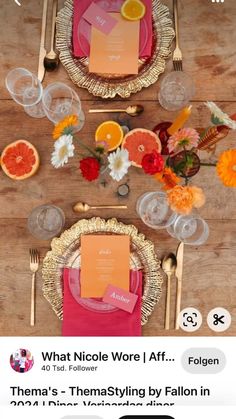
<point>180,120</point>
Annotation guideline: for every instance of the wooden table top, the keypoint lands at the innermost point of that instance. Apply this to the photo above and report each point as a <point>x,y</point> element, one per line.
<point>208,39</point>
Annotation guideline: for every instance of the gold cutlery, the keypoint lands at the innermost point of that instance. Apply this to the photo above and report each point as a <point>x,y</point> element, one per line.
<point>169,265</point>
<point>83,207</point>
<point>51,60</point>
<point>179,275</point>
<point>177,54</point>
<point>34,266</point>
<point>42,50</point>
<point>132,110</point>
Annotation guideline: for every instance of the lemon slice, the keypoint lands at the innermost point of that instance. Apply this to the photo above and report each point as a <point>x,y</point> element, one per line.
<point>133,10</point>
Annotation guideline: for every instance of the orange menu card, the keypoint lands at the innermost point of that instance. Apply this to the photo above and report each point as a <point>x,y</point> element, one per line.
<point>104,261</point>
<point>116,53</point>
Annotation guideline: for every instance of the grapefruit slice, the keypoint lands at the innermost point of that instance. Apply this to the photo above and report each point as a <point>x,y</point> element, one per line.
<point>111,133</point>
<point>139,142</point>
<point>20,160</point>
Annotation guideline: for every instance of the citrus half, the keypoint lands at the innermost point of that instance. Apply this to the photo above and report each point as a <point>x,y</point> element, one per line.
<point>139,142</point>
<point>111,133</point>
<point>20,160</point>
<point>133,10</point>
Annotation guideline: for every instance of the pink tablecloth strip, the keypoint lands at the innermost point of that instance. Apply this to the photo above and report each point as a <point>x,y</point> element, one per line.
<point>82,29</point>
<point>81,321</point>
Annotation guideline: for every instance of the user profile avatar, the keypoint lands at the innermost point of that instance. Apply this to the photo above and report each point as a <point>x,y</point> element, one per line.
<point>21,360</point>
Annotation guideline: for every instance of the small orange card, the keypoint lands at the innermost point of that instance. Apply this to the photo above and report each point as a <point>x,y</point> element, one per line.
<point>104,261</point>
<point>118,52</point>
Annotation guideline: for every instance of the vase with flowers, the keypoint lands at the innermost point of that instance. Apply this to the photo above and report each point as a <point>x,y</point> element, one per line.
<point>181,160</point>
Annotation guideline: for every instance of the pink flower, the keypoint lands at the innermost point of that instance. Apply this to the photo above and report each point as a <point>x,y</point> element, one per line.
<point>184,138</point>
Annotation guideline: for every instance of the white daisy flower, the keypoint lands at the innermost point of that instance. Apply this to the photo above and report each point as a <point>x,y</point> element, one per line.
<point>119,163</point>
<point>220,116</point>
<point>63,149</point>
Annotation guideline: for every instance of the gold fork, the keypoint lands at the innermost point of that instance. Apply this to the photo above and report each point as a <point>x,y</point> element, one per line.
<point>34,266</point>
<point>177,54</point>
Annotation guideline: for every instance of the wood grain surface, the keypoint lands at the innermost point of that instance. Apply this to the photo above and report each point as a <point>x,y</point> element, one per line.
<point>208,38</point>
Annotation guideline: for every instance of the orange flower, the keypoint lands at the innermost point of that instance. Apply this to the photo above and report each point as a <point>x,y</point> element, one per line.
<point>65,126</point>
<point>226,168</point>
<point>199,198</point>
<point>168,178</point>
<point>182,199</point>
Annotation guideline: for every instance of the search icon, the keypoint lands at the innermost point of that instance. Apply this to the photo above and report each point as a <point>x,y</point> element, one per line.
<point>190,319</point>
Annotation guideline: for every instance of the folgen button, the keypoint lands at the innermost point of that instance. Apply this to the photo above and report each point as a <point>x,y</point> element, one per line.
<point>203,360</point>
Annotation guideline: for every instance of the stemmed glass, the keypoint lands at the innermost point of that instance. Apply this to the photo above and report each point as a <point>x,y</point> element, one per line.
<point>26,90</point>
<point>59,101</point>
<point>190,229</point>
<point>154,211</point>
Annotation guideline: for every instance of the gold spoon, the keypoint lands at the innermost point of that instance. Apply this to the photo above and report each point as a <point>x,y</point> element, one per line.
<point>51,60</point>
<point>132,110</point>
<point>169,264</point>
<point>82,207</point>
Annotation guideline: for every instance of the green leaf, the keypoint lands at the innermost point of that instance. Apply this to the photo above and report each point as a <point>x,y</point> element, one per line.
<point>179,168</point>
<point>189,161</point>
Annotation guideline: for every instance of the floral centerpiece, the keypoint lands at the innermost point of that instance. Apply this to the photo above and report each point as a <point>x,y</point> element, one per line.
<point>173,169</point>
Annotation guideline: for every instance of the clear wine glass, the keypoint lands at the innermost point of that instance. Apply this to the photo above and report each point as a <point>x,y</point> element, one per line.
<point>190,229</point>
<point>26,90</point>
<point>176,90</point>
<point>46,222</point>
<point>154,211</point>
<point>59,101</point>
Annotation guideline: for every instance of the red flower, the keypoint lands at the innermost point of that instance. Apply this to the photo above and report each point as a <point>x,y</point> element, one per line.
<point>152,163</point>
<point>90,167</point>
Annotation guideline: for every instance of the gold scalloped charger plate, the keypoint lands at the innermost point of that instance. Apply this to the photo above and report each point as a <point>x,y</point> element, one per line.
<point>108,86</point>
<point>66,253</point>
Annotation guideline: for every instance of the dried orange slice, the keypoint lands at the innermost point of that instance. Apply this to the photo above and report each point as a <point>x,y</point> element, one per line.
<point>133,10</point>
<point>111,133</point>
<point>139,142</point>
<point>20,160</point>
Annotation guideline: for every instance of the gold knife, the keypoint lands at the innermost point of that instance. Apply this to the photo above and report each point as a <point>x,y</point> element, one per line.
<point>42,50</point>
<point>179,274</point>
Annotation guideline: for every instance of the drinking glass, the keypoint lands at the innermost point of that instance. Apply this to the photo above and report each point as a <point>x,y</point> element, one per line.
<point>26,90</point>
<point>46,222</point>
<point>176,90</point>
<point>154,211</point>
<point>190,229</point>
<point>59,101</point>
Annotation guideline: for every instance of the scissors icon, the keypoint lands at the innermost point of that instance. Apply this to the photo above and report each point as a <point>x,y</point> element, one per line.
<point>218,319</point>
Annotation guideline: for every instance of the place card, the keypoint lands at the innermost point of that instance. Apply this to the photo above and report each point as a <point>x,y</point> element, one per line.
<point>100,19</point>
<point>120,298</point>
<point>104,261</point>
<point>116,53</point>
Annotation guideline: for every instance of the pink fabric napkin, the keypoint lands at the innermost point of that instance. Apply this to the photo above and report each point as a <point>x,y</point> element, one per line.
<point>82,29</point>
<point>81,321</point>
